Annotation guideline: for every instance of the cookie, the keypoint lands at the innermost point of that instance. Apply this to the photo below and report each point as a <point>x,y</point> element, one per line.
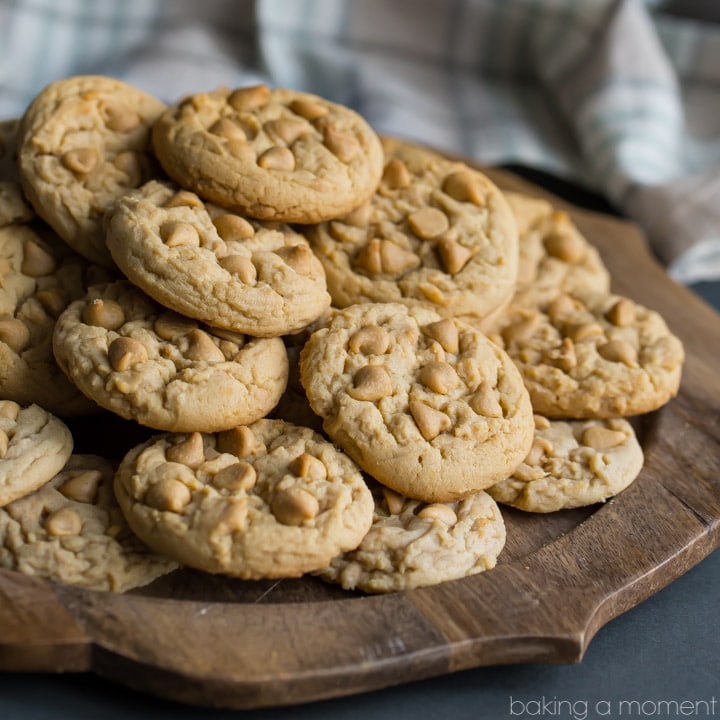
<point>83,142</point>
<point>265,500</point>
<point>554,255</point>
<point>39,277</point>
<point>427,406</point>
<point>34,445</point>
<point>72,531</point>
<point>592,356</point>
<point>436,234</point>
<point>149,364</point>
<point>573,464</point>
<point>204,262</point>
<point>274,154</point>
<point>412,544</point>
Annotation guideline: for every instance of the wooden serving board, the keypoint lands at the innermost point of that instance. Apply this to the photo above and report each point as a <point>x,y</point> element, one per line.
<point>221,642</point>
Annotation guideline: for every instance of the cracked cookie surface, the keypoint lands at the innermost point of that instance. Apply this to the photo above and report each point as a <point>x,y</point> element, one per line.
<point>270,499</point>
<point>83,142</point>
<point>573,464</point>
<point>71,530</point>
<point>413,544</point>
<point>436,234</point>
<point>243,275</point>
<point>427,406</point>
<point>275,154</point>
<point>151,365</point>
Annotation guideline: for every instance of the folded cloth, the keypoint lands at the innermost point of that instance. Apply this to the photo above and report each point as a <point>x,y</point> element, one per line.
<point>619,95</point>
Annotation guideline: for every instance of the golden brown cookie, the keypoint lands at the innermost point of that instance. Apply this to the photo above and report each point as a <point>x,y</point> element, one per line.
<point>273,154</point>
<point>270,499</point>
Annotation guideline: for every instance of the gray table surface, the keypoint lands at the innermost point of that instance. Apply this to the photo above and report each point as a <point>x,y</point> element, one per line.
<point>660,659</point>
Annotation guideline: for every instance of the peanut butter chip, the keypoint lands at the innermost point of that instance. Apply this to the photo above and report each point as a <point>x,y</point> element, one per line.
<point>233,227</point>
<point>308,466</point>
<point>63,522</point>
<point>395,259</point>
<point>446,333</point>
<point>201,348</point>
<point>308,109</point>
<point>428,222</point>
<point>189,451</point>
<point>565,247</point>
<point>125,352</point>
<point>539,449</point>
<point>430,422</point>
<point>439,512</point>
<point>130,164</point>
<point>583,331</point>
<point>168,494</point>
<point>53,301</point>
<point>14,333</point>
<point>343,145</point>
<point>9,409</point>
<point>484,401</point>
<point>370,383</point>
<point>277,158</point>
<point>622,313</point>
<point>240,441</point>
<point>561,306</point>
<point>464,186</point>
<point>170,325</point>
<point>453,255</point>
<point>298,257</point>
<point>294,505</point>
<point>370,340</point>
<point>119,119</point>
<point>396,175</point>
<point>238,476</point>
<point>563,357</point>
<point>184,198</point>
<point>619,351</point>
<point>440,377</point>
<point>394,501</point>
<point>521,330</point>
<point>80,161</point>
<point>104,313</point>
<point>176,234</point>
<point>541,422</point>
<point>241,266</point>
<point>249,98</point>
<point>360,217</point>
<point>82,487</point>
<point>234,517</point>
<point>602,438</point>
<point>4,442</point>
<point>287,130</point>
<point>37,262</point>
<point>228,129</point>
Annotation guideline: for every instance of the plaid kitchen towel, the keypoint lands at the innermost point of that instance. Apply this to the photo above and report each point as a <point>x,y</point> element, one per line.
<point>620,95</point>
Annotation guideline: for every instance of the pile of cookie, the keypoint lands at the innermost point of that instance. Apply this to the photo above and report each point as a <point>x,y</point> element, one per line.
<point>348,350</point>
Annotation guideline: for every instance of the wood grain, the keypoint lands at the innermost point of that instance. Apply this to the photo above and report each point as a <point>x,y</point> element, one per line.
<point>221,642</point>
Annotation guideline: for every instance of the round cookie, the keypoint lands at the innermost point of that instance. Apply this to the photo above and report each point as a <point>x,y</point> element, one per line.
<point>72,531</point>
<point>204,262</point>
<point>83,143</point>
<point>146,363</point>
<point>40,276</point>
<point>412,544</point>
<point>554,255</point>
<point>274,154</point>
<point>427,406</point>
<point>573,464</point>
<point>265,500</point>
<point>34,445</point>
<point>436,234</point>
<point>592,356</point>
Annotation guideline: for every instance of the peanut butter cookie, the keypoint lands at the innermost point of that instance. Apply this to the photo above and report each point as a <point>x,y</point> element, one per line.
<point>412,544</point>
<point>149,364</point>
<point>71,530</point>
<point>204,262</point>
<point>572,464</point>
<point>34,445</point>
<point>427,406</point>
<point>40,276</point>
<point>436,234</point>
<point>270,499</point>
<point>273,154</point>
<point>84,142</point>
<point>592,356</point>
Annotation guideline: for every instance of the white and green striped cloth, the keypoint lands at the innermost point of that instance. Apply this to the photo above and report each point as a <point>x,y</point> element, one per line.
<point>620,95</point>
